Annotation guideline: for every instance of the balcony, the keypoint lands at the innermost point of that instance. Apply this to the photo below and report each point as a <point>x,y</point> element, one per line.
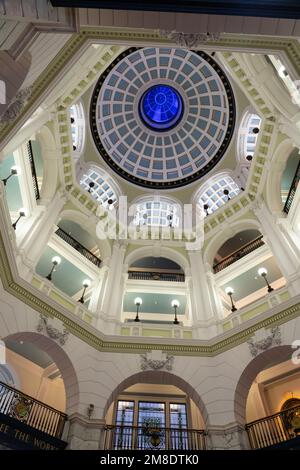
<point>292,191</point>
<point>276,430</point>
<point>143,438</point>
<point>78,247</point>
<point>26,423</point>
<point>33,171</point>
<point>153,275</point>
<point>238,254</point>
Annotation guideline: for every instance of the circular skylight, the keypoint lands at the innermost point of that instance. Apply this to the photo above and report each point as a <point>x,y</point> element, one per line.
<point>161,107</point>
<point>162,117</point>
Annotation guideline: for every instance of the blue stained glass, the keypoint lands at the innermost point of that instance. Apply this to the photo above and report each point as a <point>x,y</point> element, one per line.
<point>161,107</point>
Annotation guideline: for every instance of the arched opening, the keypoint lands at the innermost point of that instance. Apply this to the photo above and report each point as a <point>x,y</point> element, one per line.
<point>247,135</point>
<point>245,268</point>
<point>216,192</point>
<point>76,249</point>
<point>267,397</point>
<point>100,185</point>
<point>238,246</point>
<point>44,388</point>
<point>156,268</point>
<point>155,410</point>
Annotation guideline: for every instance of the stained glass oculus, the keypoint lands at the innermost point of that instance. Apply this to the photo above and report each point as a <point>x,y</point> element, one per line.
<point>162,117</point>
<point>161,107</point>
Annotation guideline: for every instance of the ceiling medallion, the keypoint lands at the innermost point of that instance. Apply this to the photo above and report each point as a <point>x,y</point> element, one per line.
<point>162,117</point>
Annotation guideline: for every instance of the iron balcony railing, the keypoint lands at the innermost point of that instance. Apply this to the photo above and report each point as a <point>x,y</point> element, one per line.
<point>156,275</point>
<point>274,429</point>
<point>30,411</point>
<point>238,254</point>
<point>33,170</point>
<point>143,438</point>
<point>292,190</point>
<point>78,247</point>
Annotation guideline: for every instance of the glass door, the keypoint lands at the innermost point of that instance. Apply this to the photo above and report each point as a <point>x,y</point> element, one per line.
<point>151,425</point>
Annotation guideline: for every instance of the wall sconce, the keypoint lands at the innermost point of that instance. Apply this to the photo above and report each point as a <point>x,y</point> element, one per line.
<point>138,302</point>
<point>90,410</point>
<point>175,304</point>
<point>229,291</point>
<point>263,273</point>
<point>14,171</point>
<point>22,213</point>
<point>91,185</point>
<point>205,207</point>
<point>86,283</point>
<point>56,260</point>
<point>226,193</point>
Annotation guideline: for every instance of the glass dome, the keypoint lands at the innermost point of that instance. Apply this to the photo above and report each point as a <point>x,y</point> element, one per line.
<point>161,107</point>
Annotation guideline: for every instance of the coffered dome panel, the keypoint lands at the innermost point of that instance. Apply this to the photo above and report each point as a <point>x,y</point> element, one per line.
<point>162,117</point>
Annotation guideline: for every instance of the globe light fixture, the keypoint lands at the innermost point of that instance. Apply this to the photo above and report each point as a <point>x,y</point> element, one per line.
<point>175,304</point>
<point>22,213</point>
<point>263,273</point>
<point>229,291</point>
<point>138,302</point>
<point>56,260</point>
<point>14,171</point>
<point>85,284</point>
<point>91,185</point>
<point>226,193</point>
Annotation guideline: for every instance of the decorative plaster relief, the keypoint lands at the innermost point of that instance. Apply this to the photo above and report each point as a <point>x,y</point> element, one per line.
<point>262,341</point>
<point>156,360</point>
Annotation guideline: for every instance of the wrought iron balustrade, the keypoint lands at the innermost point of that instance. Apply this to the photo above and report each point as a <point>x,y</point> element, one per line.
<point>78,247</point>
<point>142,438</point>
<point>156,276</point>
<point>238,254</point>
<point>33,171</point>
<point>28,410</point>
<point>274,429</point>
<point>292,191</point>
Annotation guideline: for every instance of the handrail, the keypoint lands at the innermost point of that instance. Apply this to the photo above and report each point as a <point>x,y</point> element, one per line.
<point>122,437</point>
<point>28,410</point>
<point>274,429</point>
<point>33,171</point>
<point>292,190</point>
<point>238,254</point>
<point>78,247</point>
<point>156,275</point>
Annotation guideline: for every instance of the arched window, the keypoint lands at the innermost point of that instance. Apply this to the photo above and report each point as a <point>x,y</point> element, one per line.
<point>77,127</point>
<point>216,192</point>
<point>248,133</point>
<point>158,211</point>
<point>100,186</point>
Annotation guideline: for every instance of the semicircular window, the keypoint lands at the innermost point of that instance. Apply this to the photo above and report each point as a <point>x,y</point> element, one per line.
<point>160,213</point>
<point>248,134</point>
<point>99,186</point>
<point>216,192</point>
<point>77,127</point>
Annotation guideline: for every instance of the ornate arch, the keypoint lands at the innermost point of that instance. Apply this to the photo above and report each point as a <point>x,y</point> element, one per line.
<point>61,359</point>
<point>158,377</point>
<point>221,237</point>
<point>267,358</point>
<point>164,252</point>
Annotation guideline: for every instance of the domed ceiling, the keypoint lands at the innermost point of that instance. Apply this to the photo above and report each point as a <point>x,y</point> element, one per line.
<point>162,117</point>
